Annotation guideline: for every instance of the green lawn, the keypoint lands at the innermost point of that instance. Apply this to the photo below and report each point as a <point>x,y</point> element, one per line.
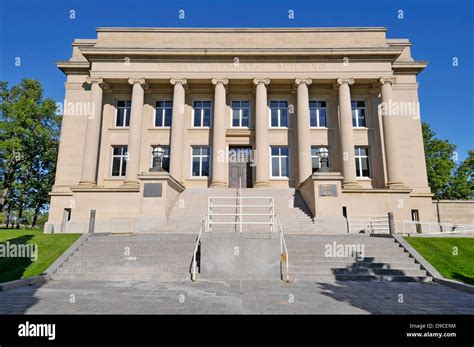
<point>439,252</point>
<point>49,248</point>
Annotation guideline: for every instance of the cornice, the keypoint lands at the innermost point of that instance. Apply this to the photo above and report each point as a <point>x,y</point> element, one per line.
<point>241,30</point>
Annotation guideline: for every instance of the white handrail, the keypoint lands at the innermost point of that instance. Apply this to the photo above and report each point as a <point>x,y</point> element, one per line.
<point>194,265</point>
<point>283,246</point>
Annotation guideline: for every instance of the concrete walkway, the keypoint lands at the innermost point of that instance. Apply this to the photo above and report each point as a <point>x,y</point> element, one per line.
<point>235,297</point>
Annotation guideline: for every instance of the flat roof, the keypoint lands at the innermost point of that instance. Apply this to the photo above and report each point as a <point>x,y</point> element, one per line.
<point>207,29</point>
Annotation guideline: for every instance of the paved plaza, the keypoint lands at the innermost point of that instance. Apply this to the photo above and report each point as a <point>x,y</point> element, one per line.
<point>235,297</point>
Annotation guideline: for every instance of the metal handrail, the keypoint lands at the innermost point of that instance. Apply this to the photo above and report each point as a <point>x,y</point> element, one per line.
<point>283,246</point>
<point>194,265</point>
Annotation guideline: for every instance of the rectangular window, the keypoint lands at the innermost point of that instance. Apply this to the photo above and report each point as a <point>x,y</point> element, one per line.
<point>202,114</point>
<point>318,114</point>
<point>240,113</point>
<point>362,161</point>
<point>163,112</point>
<point>358,114</point>
<point>278,114</point>
<point>315,162</point>
<point>200,161</point>
<point>166,157</point>
<point>122,118</point>
<point>119,161</point>
<point>280,161</point>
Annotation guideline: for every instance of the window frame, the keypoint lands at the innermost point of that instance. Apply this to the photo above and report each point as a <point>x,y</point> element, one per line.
<point>122,158</point>
<point>200,156</point>
<point>357,125</point>
<point>240,114</point>
<point>211,108</point>
<point>163,115</point>
<point>280,156</point>
<point>279,115</point>
<point>318,121</point>
<point>358,159</point>
<point>126,114</point>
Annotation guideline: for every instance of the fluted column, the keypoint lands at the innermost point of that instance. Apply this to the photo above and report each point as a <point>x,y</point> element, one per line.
<point>261,133</point>
<point>177,129</point>
<point>392,154</point>
<point>303,127</point>
<point>135,132</point>
<point>91,144</point>
<point>219,133</point>
<point>347,133</point>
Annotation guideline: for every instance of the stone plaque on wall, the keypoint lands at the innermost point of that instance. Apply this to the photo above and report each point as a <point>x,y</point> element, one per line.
<point>152,190</point>
<point>327,190</point>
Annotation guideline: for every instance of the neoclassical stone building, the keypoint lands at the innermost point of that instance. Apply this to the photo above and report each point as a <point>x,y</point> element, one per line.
<point>206,96</point>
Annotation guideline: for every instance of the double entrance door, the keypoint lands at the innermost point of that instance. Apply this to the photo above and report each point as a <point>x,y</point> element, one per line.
<point>240,169</point>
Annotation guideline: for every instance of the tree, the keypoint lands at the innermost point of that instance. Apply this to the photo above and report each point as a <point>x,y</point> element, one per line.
<point>29,137</point>
<point>446,179</point>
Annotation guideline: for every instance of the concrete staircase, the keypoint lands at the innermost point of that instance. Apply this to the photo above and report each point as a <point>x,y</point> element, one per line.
<point>191,207</point>
<point>383,259</point>
<point>136,257</point>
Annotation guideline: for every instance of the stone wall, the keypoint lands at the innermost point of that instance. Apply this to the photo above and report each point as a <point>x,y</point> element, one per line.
<point>454,211</point>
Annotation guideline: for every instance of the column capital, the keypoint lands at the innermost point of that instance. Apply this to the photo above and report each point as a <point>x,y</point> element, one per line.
<point>175,81</point>
<point>140,81</point>
<point>344,80</point>
<point>223,81</point>
<point>97,80</point>
<point>390,79</point>
<point>258,81</point>
<point>307,81</point>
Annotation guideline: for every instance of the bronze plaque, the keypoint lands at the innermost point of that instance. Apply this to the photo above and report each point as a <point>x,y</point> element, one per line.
<point>327,190</point>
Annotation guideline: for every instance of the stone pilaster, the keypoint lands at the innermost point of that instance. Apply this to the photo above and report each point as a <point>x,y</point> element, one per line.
<point>178,121</point>
<point>219,133</point>
<point>347,133</point>
<point>91,143</point>
<point>303,128</point>
<point>261,133</point>
<point>392,155</point>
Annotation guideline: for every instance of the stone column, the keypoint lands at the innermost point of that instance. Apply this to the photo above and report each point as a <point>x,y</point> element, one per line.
<point>347,134</point>
<point>91,144</point>
<point>178,121</point>
<point>303,127</point>
<point>392,153</point>
<point>135,132</point>
<point>261,133</point>
<point>219,133</point>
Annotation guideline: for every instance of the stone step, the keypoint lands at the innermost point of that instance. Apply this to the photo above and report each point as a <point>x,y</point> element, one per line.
<point>332,278</point>
<point>316,259</point>
<point>122,262</point>
<point>408,264</point>
<point>124,269</point>
<point>120,257</point>
<point>355,271</point>
<point>163,277</point>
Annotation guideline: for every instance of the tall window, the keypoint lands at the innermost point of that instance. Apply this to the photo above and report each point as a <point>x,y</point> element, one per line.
<point>123,113</point>
<point>362,162</point>
<point>358,114</point>
<point>166,157</point>
<point>240,113</point>
<point>202,114</point>
<point>278,114</point>
<point>200,161</point>
<point>317,114</point>
<point>119,160</point>
<point>163,112</point>
<point>280,161</point>
<point>315,158</point>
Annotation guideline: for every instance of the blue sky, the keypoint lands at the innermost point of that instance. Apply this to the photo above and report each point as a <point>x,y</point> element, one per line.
<point>40,32</point>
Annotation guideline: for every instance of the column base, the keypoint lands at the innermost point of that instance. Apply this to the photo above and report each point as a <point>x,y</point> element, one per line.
<point>87,184</point>
<point>351,185</point>
<point>396,185</point>
<point>218,184</point>
<point>261,184</point>
<point>130,184</point>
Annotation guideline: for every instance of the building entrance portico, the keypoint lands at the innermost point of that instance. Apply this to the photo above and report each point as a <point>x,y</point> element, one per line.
<point>240,168</point>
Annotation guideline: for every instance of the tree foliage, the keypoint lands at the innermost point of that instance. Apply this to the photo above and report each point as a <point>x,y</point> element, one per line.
<point>447,179</point>
<point>29,139</point>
